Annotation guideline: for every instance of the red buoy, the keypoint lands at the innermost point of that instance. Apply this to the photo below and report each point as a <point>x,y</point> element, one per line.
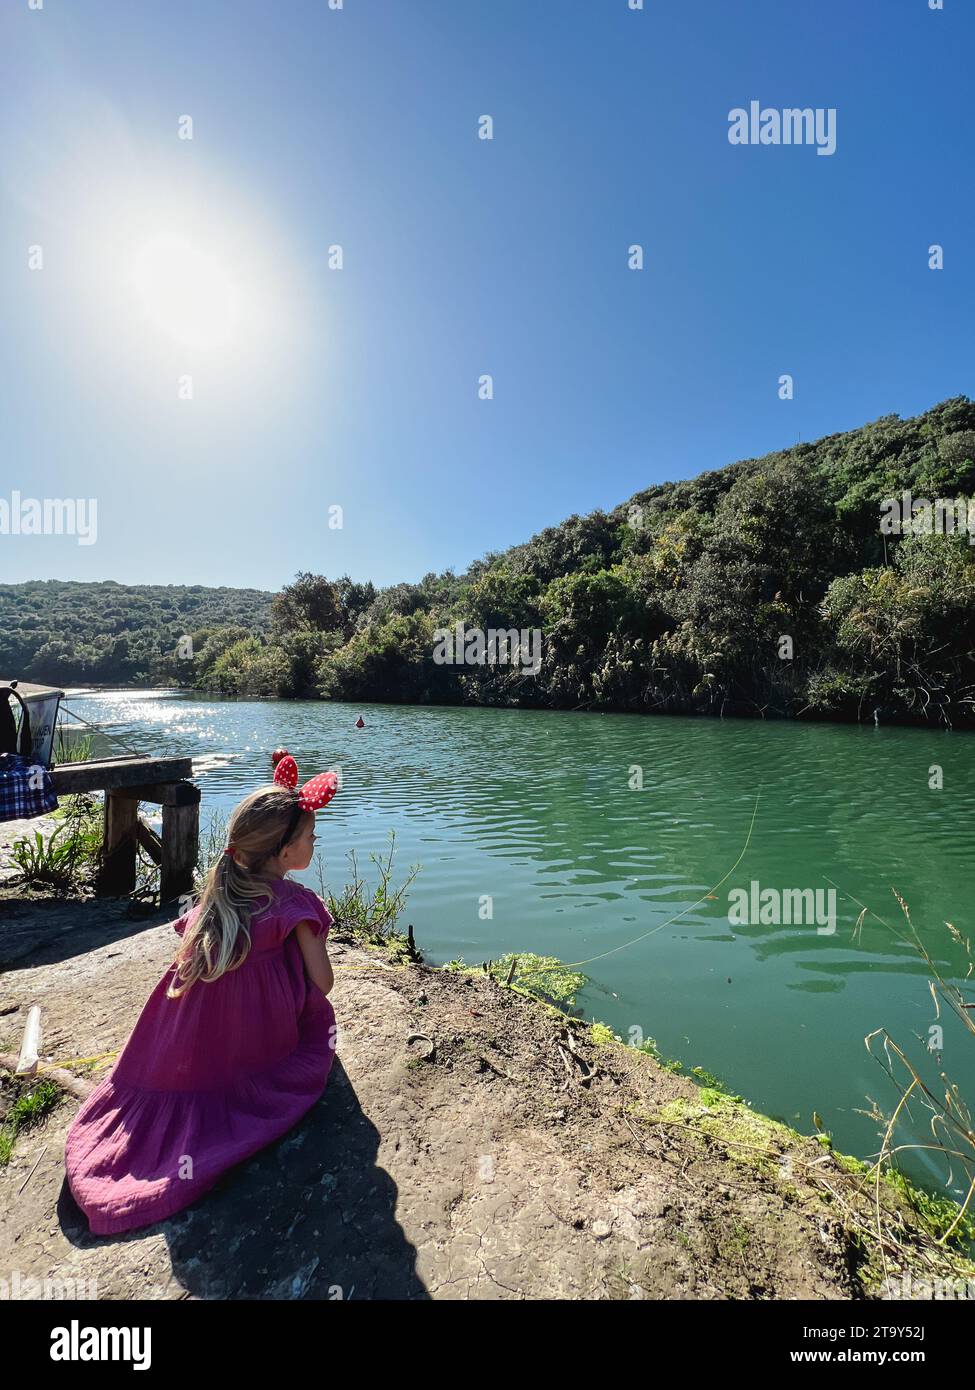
<point>360,723</point>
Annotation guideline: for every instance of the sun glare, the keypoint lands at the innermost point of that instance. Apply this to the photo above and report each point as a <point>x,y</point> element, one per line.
<point>186,294</point>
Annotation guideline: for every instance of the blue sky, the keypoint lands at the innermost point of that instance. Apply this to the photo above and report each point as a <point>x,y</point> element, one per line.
<point>314,387</point>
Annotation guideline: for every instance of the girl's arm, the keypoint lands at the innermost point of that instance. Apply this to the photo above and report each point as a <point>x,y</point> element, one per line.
<point>317,963</point>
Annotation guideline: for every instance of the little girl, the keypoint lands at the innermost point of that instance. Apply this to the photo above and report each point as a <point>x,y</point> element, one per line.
<point>235,1042</point>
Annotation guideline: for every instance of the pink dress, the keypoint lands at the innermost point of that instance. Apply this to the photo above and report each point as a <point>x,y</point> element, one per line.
<point>207,1079</point>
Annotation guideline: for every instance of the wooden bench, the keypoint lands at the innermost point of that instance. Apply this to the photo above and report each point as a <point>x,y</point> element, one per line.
<point>126,781</point>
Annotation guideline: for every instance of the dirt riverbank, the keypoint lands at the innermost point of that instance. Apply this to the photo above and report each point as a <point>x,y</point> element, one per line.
<point>472,1143</point>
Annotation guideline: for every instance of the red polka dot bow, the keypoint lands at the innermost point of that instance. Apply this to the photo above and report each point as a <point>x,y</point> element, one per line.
<point>314,794</point>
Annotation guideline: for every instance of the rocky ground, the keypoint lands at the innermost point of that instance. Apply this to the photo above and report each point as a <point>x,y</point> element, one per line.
<point>471,1144</point>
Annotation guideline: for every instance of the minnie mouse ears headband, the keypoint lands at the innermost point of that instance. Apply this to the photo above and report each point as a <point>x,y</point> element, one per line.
<point>314,794</point>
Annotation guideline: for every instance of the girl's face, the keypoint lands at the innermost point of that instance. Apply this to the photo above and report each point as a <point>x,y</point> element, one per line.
<point>300,849</point>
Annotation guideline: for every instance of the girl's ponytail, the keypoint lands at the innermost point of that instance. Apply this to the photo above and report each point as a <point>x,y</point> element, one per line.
<point>218,939</point>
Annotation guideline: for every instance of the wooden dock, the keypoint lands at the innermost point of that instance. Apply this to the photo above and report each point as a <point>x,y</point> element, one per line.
<point>126,781</point>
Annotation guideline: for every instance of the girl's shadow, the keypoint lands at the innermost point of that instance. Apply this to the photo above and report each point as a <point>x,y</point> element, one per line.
<point>310,1217</point>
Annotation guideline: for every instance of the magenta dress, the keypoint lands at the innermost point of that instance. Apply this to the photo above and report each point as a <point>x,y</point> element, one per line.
<point>207,1079</point>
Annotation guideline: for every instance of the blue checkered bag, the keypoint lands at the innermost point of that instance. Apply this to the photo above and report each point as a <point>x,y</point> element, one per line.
<point>26,788</point>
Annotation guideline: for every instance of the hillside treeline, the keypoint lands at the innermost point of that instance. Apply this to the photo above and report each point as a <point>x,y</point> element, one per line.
<point>68,633</point>
<point>765,588</point>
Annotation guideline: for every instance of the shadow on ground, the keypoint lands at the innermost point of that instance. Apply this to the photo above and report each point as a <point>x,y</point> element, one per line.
<point>310,1217</point>
<point>43,931</point>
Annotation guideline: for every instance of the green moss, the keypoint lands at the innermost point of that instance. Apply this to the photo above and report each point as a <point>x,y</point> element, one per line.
<point>709,1080</point>
<point>543,977</point>
<point>649,1046</point>
<point>710,1098</point>
<point>602,1035</point>
<point>752,1139</point>
<point>936,1213</point>
<point>849,1164</point>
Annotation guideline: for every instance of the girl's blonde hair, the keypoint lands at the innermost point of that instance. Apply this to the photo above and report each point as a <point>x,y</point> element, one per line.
<point>219,938</point>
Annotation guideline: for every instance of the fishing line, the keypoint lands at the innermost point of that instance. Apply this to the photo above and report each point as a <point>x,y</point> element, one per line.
<point>117,738</point>
<point>613,950</point>
<point>876,915</point>
<point>843,893</point>
<point>69,1062</point>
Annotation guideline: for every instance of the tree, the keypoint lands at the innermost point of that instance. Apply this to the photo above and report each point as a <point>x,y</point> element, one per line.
<point>312,601</point>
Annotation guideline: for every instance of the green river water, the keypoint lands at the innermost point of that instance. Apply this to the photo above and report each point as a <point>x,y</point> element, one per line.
<point>540,813</point>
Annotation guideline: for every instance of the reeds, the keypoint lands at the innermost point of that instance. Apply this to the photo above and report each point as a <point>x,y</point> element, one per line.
<point>949,1118</point>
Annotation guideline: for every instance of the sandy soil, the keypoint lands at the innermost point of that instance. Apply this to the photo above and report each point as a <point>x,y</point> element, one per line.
<point>470,1144</point>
